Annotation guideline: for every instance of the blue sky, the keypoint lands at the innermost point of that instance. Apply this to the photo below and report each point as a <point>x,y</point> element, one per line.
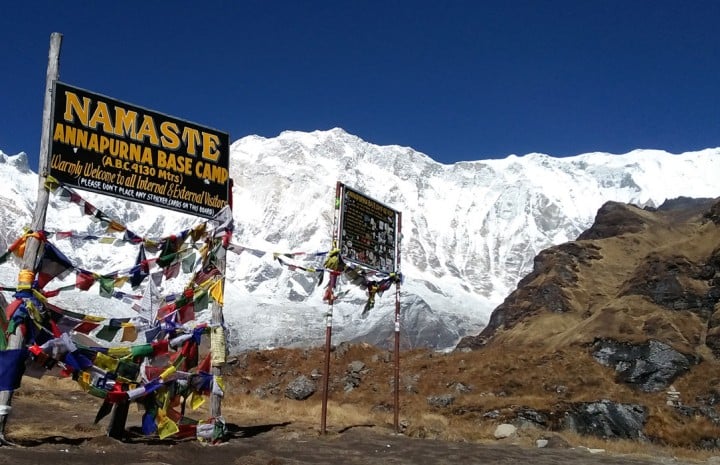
<point>457,80</point>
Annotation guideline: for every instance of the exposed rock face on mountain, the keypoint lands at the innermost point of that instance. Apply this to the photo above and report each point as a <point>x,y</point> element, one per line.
<point>636,272</point>
<point>639,292</point>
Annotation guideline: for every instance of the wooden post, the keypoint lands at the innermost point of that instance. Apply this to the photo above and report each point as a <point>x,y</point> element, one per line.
<point>33,246</point>
<point>217,322</point>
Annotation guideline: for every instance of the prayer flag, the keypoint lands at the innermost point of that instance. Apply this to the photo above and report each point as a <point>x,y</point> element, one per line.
<point>53,265</point>
<point>12,366</point>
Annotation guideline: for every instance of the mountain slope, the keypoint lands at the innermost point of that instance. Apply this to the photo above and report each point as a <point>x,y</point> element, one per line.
<point>636,274</point>
<point>470,229</point>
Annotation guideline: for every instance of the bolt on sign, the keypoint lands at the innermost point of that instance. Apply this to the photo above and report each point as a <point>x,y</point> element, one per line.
<point>368,231</point>
<point>101,144</point>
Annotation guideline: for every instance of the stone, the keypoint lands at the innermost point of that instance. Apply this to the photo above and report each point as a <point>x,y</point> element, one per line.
<point>300,388</point>
<point>356,366</point>
<point>442,401</point>
<point>505,430</point>
<point>557,442</point>
<point>650,366</point>
<point>607,419</point>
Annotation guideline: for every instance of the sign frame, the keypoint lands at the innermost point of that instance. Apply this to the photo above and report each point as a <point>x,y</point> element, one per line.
<point>105,145</point>
<point>368,232</point>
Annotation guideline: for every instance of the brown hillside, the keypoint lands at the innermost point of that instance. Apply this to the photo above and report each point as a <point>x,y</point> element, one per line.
<point>635,275</point>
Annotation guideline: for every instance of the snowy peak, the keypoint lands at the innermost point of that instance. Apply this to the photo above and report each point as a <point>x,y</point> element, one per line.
<point>470,230</point>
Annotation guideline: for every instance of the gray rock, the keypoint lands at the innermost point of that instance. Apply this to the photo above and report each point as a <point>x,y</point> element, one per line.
<point>651,367</point>
<point>557,442</point>
<point>300,388</point>
<point>459,387</point>
<point>607,419</point>
<point>505,431</point>
<point>442,401</point>
<point>356,366</point>
<point>530,417</point>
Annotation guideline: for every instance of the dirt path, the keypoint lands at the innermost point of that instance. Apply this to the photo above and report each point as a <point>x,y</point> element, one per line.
<point>52,428</point>
<point>292,444</point>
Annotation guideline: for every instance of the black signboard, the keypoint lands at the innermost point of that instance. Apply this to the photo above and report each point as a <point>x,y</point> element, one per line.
<point>368,231</point>
<point>104,145</point>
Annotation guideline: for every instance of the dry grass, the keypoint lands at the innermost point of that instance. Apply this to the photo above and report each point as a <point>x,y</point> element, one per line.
<point>495,379</point>
<point>480,382</point>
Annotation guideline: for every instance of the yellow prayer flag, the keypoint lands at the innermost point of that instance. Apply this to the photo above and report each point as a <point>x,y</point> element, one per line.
<point>196,401</point>
<point>105,362</point>
<point>216,292</point>
<point>219,381</point>
<point>167,427</point>
<point>168,372</point>
<point>84,381</point>
<point>130,333</point>
<point>51,183</point>
<point>119,352</point>
<point>115,226</point>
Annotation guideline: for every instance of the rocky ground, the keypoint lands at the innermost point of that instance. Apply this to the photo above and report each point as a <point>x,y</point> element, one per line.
<point>53,422</point>
<point>77,440</point>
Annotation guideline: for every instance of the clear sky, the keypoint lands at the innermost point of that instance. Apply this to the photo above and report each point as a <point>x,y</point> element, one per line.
<point>457,80</point>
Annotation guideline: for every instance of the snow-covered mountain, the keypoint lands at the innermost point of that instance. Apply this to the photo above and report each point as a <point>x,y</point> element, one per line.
<point>470,229</point>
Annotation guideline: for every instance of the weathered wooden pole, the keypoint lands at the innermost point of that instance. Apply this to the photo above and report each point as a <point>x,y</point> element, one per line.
<point>218,338</point>
<point>33,246</point>
<point>218,347</point>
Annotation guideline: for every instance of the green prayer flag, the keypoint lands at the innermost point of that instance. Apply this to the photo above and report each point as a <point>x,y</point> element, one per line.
<point>142,350</point>
<point>188,263</point>
<point>107,287</point>
<point>201,301</point>
<point>128,370</point>
<point>107,333</point>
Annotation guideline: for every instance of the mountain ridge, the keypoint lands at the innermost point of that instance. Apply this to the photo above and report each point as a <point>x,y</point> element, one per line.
<point>471,229</point>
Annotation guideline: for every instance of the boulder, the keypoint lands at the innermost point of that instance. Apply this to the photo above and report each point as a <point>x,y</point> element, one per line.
<point>505,430</point>
<point>607,419</point>
<point>300,388</point>
<point>650,367</point>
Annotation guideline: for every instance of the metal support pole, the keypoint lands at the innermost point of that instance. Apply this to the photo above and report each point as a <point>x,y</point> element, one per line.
<point>326,374</point>
<point>397,328</point>
<point>397,359</point>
